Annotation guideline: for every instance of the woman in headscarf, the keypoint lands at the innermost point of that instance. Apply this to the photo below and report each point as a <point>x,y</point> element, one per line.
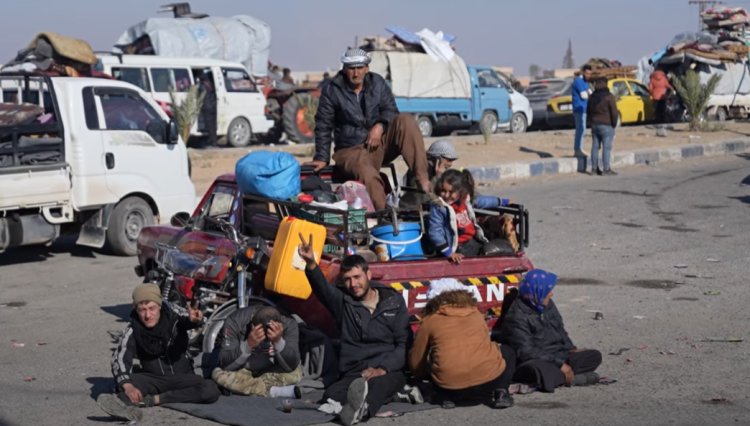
<point>453,348</point>
<point>533,326</point>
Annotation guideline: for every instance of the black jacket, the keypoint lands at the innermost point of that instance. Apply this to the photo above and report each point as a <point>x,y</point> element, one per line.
<point>340,113</point>
<point>602,108</point>
<point>534,335</point>
<point>234,352</point>
<point>376,340</point>
<point>175,361</point>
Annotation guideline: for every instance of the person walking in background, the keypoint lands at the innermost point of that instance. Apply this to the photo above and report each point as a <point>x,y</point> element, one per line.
<point>603,115</point>
<point>659,87</point>
<point>580,91</point>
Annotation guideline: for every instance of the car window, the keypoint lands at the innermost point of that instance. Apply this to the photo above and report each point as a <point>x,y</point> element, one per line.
<point>639,90</point>
<point>237,80</point>
<point>488,78</point>
<point>135,76</point>
<point>125,111</point>
<point>162,79</point>
<point>182,79</point>
<point>620,88</point>
<point>546,87</point>
<point>222,204</point>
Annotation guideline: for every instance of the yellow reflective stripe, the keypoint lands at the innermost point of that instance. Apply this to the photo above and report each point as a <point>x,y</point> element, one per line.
<point>474,281</point>
<point>513,278</point>
<point>493,280</point>
<point>397,286</point>
<point>415,284</point>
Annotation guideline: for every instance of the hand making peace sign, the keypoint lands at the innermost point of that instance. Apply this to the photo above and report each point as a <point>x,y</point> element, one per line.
<point>305,250</point>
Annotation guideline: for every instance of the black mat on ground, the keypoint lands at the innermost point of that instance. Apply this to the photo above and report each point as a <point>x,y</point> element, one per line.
<point>252,410</point>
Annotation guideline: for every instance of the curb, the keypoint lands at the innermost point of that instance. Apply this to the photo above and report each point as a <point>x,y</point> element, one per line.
<point>651,156</point>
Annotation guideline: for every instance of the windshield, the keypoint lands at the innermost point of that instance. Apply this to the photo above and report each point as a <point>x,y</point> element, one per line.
<point>546,87</point>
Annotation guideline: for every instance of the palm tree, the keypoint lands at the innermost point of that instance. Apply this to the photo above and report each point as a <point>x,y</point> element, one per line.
<point>694,95</point>
<point>186,112</point>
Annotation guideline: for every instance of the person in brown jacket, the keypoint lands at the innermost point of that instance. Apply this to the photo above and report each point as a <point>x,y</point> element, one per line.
<point>603,116</point>
<point>453,347</point>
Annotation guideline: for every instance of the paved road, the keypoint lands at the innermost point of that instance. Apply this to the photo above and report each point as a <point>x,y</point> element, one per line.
<point>662,253</point>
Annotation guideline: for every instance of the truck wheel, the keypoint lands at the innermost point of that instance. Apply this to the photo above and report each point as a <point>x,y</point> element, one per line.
<point>425,126</point>
<point>721,114</point>
<point>297,117</point>
<point>239,133</point>
<point>518,123</point>
<point>488,121</point>
<point>125,223</point>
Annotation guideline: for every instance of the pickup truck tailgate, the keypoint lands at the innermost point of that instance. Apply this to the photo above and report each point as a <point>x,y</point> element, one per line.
<point>34,188</point>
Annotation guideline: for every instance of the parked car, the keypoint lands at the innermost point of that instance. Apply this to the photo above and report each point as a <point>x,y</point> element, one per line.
<point>539,93</point>
<point>633,102</point>
<point>523,115</point>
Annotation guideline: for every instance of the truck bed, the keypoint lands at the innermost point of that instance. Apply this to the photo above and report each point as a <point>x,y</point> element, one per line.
<point>460,106</point>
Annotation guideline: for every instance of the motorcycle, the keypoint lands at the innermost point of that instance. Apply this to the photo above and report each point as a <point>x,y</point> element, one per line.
<point>218,284</point>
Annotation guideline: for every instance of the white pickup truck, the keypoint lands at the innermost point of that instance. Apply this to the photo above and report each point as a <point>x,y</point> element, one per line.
<point>90,156</point>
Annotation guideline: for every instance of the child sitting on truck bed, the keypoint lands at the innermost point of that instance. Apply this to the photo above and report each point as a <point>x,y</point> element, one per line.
<point>453,227</point>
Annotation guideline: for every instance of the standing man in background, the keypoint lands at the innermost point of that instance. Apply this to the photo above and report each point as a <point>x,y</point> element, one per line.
<point>580,90</point>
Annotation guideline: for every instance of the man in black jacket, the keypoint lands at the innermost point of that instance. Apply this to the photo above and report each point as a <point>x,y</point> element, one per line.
<point>157,337</point>
<point>357,107</point>
<point>373,325</point>
<point>258,353</point>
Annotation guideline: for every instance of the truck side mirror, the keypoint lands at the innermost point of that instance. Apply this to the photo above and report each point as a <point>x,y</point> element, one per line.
<point>173,134</point>
<point>180,219</point>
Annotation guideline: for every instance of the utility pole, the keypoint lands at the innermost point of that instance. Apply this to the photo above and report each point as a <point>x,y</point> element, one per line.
<point>702,6</point>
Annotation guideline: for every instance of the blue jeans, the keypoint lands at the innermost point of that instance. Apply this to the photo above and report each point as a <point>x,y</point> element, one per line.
<point>601,134</point>
<point>580,118</point>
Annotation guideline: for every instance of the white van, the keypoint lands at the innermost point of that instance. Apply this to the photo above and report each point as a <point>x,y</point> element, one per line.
<point>240,102</point>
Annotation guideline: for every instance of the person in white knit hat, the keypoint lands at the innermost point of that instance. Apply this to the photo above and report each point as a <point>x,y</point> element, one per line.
<point>453,348</point>
<point>357,113</point>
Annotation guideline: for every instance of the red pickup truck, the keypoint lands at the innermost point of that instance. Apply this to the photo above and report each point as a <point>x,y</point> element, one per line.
<point>490,277</point>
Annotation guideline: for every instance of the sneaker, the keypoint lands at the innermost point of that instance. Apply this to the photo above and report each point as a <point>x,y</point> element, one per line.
<point>356,406</point>
<point>115,407</point>
<point>501,399</point>
<point>585,379</point>
<point>610,172</point>
<point>598,172</point>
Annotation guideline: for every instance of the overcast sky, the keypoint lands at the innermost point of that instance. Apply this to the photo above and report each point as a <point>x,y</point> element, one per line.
<point>312,34</point>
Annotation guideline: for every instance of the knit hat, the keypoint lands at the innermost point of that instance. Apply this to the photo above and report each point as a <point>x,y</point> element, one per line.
<point>355,57</point>
<point>146,293</point>
<point>442,148</point>
<point>437,287</point>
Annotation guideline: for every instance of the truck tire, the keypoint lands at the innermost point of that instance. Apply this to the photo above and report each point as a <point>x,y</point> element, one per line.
<point>239,133</point>
<point>296,126</point>
<point>721,114</point>
<point>125,223</point>
<point>488,119</point>
<point>518,123</point>
<point>425,126</point>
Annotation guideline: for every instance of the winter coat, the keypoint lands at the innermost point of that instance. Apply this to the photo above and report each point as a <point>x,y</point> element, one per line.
<point>340,113</point>
<point>602,108</point>
<point>175,361</point>
<point>368,340</point>
<point>234,352</point>
<point>536,336</point>
<point>442,227</point>
<point>658,85</point>
<point>454,346</point>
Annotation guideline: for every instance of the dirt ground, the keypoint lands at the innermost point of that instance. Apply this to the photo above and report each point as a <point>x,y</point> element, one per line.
<point>499,149</point>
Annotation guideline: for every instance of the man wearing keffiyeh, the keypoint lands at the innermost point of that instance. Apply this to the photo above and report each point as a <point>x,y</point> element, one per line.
<point>533,326</point>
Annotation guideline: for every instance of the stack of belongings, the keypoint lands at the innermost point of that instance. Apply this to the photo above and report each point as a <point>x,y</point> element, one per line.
<point>605,68</point>
<point>54,54</point>
<point>730,26</point>
<point>436,44</point>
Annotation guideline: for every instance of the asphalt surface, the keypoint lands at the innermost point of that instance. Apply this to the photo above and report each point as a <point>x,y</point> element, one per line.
<point>662,253</point>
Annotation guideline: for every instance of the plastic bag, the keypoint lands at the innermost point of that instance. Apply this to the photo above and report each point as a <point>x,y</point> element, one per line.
<point>269,174</point>
<point>356,195</point>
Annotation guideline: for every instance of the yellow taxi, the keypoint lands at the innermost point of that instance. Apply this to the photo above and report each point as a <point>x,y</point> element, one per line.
<point>633,102</point>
